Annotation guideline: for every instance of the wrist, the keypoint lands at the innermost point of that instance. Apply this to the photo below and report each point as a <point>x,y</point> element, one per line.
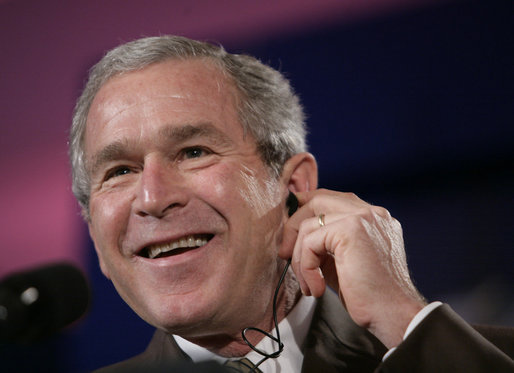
<point>394,322</point>
<point>420,316</point>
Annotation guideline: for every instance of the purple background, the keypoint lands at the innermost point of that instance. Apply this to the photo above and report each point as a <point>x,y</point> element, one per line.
<point>409,106</point>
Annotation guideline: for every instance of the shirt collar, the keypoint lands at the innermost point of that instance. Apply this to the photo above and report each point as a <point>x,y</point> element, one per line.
<point>293,331</point>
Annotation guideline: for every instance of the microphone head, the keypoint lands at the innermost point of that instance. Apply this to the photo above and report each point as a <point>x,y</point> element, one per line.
<point>37,303</point>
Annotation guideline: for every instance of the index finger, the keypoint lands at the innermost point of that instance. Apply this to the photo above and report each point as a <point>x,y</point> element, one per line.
<point>314,203</point>
<point>292,225</point>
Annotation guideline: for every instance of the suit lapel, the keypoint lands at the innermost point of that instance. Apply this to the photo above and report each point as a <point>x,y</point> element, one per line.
<point>163,347</point>
<point>336,344</point>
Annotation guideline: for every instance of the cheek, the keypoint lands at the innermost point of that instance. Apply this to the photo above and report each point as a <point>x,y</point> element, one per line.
<point>260,193</point>
<point>250,200</point>
<point>109,213</point>
<point>232,186</point>
<point>219,183</point>
<point>250,189</point>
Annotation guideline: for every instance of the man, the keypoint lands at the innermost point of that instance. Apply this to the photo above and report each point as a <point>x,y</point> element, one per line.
<point>183,159</point>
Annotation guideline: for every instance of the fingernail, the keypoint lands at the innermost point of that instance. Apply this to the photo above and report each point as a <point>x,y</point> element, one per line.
<point>320,272</point>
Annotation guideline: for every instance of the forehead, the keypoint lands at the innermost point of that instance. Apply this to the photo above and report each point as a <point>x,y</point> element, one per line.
<point>174,92</point>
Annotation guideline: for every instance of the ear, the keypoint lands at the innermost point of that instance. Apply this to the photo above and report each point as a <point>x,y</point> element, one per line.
<point>103,267</point>
<point>300,173</point>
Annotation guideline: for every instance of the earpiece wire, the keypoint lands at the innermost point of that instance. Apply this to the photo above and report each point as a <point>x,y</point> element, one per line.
<point>277,353</point>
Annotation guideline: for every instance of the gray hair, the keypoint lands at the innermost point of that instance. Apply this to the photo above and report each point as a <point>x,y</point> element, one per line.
<point>269,109</point>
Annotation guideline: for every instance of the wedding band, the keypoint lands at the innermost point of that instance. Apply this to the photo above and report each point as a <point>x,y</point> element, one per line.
<point>321,220</point>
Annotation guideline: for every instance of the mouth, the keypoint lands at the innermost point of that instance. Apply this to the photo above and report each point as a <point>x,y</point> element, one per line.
<point>175,247</point>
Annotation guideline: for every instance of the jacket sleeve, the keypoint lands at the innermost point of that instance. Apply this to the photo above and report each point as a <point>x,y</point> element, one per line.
<point>443,342</point>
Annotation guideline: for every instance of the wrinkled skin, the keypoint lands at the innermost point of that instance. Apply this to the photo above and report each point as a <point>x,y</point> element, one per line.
<point>359,252</point>
<point>168,159</point>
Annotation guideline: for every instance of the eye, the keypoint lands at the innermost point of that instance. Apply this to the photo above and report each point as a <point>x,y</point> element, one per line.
<point>194,152</point>
<point>118,171</point>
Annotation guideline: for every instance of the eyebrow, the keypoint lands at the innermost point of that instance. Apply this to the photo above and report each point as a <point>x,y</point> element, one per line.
<point>189,131</point>
<point>120,149</point>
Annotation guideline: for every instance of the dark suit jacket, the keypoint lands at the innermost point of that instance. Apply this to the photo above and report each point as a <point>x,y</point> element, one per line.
<point>442,342</point>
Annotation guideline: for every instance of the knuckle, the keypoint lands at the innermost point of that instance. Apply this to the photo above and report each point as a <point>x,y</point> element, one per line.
<point>366,213</point>
<point>303,227</point>
<point>397,224</point>
<point>351,195</point>
<point>317,199</point>
<point>380,211</point>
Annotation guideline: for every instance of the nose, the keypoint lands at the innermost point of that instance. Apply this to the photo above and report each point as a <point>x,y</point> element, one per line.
<point>160,189</point>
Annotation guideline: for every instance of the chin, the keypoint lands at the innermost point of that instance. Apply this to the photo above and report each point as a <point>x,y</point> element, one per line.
<point>183,315</point>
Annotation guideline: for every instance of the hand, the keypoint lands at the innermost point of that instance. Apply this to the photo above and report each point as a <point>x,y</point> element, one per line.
<point>359,253</point>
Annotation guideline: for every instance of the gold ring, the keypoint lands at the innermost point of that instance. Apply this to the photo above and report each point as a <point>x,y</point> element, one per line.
<point>321,220</point>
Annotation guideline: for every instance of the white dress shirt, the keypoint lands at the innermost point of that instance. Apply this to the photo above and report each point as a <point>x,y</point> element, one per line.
<point>293,331</point>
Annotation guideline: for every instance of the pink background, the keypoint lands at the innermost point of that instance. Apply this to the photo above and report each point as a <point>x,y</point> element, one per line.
<point>46,48</point>
<point>409,103</point>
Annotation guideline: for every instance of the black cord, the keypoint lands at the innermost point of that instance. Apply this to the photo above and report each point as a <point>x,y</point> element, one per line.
<point>277,353</point>
<point>292,205</point>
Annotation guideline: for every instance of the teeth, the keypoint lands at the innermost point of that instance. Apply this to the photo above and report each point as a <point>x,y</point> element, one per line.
<point>154,251</point>
<point>189,241</point>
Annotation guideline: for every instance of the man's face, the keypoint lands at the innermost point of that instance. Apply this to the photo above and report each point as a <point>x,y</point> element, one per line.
<point>171,168</point>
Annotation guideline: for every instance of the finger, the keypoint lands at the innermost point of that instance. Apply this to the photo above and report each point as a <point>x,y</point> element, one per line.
<point>316,262</point>
<point>305,262</point>
<point>306,227</point>
<point>290,233</point>
<point>310,269</point>
<point>327,201</point>
<point>311,204</point>
<point>320,249</point>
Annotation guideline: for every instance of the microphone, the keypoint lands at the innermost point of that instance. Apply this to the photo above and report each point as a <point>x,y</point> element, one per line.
<point>37,303</point>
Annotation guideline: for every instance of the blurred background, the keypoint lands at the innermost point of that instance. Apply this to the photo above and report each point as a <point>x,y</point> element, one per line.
<point>409,105</point>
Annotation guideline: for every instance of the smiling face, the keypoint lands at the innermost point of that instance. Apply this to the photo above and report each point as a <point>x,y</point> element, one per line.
<point>183,213</point>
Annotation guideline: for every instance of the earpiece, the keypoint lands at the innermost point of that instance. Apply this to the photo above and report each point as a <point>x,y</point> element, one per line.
<point>291,203</point>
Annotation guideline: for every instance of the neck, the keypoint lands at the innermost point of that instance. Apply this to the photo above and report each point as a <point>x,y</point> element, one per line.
<point>234,345</point>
